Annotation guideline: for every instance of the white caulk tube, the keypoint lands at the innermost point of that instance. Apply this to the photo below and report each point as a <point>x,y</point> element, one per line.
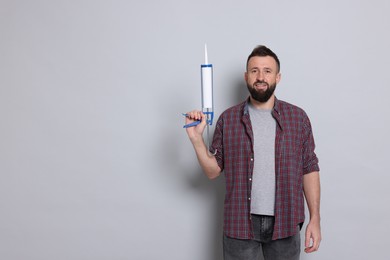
<point>207,93</point>
<point>207,89</point>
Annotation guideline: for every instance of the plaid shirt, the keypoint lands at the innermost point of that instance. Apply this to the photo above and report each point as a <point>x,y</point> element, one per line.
<point>294,157</point>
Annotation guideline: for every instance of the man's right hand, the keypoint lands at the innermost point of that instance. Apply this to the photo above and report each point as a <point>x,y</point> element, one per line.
<point>195,133</point>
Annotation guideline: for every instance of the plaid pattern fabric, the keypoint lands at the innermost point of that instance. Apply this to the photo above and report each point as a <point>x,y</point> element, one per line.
<point>294,157</point>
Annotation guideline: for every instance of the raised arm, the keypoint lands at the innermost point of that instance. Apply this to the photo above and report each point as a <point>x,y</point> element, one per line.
<point>206,160</point>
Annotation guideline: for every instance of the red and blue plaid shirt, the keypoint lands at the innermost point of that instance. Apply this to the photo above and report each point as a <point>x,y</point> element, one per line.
<point>294,157</point>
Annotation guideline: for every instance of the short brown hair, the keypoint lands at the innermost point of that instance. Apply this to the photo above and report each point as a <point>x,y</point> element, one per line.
<point>263,51</point>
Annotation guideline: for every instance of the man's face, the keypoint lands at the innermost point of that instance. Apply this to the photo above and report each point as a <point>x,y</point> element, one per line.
<point>261,77</point>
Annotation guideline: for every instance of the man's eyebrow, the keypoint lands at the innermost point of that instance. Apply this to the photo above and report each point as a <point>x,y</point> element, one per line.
<point>265,68</point>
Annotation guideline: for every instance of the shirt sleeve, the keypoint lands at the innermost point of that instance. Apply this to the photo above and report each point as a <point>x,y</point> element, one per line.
<point>217,145</point>
<point>310,160</point>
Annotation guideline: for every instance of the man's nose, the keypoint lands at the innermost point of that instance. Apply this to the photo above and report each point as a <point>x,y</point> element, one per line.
<point>260,76</point>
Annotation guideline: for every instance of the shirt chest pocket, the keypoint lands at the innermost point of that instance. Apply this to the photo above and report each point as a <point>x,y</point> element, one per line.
<point>290,147</point>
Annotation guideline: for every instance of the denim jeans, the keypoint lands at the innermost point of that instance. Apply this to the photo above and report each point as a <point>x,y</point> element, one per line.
<point>251,249</point>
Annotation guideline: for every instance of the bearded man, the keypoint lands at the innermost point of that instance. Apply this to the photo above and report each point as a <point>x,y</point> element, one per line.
<point>265,148</point>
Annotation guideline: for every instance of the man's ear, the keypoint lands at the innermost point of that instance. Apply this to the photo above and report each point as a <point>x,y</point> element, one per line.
<point>278,77</point>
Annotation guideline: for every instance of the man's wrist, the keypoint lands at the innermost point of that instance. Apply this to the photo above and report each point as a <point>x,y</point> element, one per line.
<point>315,218</point>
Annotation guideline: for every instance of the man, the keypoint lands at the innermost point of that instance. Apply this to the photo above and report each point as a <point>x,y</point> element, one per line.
<point>265,147</point>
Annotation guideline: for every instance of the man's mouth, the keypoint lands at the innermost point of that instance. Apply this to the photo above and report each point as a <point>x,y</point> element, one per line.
<point>261,85</point>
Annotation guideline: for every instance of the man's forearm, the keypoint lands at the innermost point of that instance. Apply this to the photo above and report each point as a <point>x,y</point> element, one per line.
<point>312,190</point>
<point>206,160</point>
<point>311,187</point>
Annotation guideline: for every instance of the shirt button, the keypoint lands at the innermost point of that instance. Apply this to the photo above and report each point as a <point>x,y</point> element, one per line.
<point>250,179</point>
<point>249,198</point>
<point>251,159</point>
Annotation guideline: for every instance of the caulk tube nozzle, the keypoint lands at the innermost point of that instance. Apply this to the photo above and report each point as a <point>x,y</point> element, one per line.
<point>206,60</point>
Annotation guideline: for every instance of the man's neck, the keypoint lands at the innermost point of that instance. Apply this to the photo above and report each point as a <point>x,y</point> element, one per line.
<point>263,105</point>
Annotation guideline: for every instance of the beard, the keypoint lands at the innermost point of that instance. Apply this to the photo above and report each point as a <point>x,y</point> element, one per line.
<point>261,95</point>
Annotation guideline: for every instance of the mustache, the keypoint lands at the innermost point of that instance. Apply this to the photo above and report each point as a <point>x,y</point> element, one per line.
<point>261,82</point>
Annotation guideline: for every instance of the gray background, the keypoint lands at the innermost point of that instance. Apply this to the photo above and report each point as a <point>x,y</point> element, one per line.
<point>94,163</point>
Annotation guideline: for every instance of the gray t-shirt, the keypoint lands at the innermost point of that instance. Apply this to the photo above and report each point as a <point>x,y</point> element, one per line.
<point>263,179</point>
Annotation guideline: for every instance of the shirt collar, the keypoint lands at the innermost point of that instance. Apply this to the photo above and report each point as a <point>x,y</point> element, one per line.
<point>275,111</point>
<point>276,107</point>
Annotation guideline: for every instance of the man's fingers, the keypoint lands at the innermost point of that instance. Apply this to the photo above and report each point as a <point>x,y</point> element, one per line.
<point>194,115</point>
<point>307,239</point>
<point>311,245</point>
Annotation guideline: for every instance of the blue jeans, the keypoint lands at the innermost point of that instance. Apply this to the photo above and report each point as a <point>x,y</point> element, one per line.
<point>250,249</point>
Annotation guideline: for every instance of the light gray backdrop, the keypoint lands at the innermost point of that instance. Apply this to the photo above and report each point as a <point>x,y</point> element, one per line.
<point>94,163</point>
